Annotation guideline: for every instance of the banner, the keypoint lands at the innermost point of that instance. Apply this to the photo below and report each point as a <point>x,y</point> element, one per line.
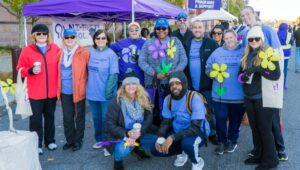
<point>205,4</point>
<point>85,30</point>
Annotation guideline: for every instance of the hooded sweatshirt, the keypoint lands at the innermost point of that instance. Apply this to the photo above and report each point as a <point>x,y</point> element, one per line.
<point>283,34</point>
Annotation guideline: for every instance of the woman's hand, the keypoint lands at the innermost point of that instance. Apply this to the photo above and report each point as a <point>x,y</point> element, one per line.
<point>133,134</point>
<point>130,142</point>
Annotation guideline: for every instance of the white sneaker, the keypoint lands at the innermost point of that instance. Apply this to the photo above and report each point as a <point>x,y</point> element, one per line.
<point>95,146</point>
<point>40,151</point>
<point>52,146</point>
<point>106,153</point>
<point>199,165</point>
<point>181,159</point>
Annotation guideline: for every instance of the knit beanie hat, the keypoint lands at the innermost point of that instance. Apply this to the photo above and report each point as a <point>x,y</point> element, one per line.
<point>130,77</point>
<point>39,28</point>
<point>179,76</point>
<point>255,32</point>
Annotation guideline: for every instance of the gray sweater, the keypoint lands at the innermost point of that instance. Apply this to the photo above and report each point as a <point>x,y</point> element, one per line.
<point>149,65</point>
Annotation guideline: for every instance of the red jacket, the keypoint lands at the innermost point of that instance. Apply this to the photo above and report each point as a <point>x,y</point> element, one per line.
<point>79,73</point>
<point>44,84</point>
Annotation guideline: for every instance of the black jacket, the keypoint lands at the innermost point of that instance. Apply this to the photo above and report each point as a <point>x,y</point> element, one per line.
<point>184,39</point>
<point>208,46</point>
<point>297,37</point>
<point>115,123</point>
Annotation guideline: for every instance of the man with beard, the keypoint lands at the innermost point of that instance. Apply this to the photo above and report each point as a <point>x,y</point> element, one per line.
<point>183,33</point>
<point>128,51</point>
<point>199,49</point>
<point>179,131</point>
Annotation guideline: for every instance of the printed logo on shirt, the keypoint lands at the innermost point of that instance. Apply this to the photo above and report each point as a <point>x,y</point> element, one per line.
<point>127,54</point>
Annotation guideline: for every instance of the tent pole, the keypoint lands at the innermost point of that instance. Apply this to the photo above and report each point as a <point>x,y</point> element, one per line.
<point>114,32</point>
<point>25,31</point>
<point>125,31</point>
<point>132,10</point>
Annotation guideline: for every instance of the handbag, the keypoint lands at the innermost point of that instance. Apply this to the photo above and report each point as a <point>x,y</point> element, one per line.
<point>23,103</point>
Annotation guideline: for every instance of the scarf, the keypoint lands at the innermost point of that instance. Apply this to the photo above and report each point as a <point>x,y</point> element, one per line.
<point>133,109</point>
<point>68,55</point>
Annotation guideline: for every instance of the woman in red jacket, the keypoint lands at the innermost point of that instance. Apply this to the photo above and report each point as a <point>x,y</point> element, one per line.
<point>39,63</point>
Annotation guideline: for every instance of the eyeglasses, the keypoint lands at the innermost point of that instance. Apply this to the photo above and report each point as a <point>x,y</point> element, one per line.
<point>100,38</point>
<point>257,39</point>
<point>133,29</point>
<point>41,33</point>
<point>161,28</point>
<point>71,37</point>
<point>217,33</point>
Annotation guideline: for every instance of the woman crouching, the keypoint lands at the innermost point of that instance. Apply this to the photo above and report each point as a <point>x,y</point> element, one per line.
<point>129,118</point>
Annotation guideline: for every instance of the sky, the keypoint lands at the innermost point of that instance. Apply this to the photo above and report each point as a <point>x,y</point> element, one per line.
<point>277,9</point>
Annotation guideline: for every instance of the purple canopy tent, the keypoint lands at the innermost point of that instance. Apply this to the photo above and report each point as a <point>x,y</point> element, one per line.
<point>105,10</point>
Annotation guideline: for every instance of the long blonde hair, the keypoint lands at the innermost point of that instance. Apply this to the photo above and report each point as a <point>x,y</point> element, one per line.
<point>141,96</point>
<point>257,61</point>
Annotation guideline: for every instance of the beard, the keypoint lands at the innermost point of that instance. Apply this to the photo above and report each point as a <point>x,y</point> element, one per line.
<point>179,95</point>
<point>182,26</point>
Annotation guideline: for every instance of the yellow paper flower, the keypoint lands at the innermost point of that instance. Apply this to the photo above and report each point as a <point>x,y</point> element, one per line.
<point>8,86</point>
<point>218,72</point>
<point>171,49</point>
<point>126,144</point>
<point>268,58</point>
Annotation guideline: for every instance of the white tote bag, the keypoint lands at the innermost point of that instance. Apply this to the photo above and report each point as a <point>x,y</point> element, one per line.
<point>23,104</point>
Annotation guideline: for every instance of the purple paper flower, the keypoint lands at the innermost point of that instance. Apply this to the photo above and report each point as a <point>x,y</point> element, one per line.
<point>239,37</point>
<point>158,49</point>
<point>106,143</point>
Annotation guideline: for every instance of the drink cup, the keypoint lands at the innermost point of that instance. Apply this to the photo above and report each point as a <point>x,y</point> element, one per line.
<point>37,64</point>
<point>160,140</point>
<point>137,127</point>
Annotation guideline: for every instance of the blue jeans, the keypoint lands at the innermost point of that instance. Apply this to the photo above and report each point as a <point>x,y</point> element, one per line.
<point>145,143</point>
<point>212,121</point>
<point>232,112</point>
<point>98,109</point>
<point>190,145</point>
<point>297,59</point>
<point>285,69</point>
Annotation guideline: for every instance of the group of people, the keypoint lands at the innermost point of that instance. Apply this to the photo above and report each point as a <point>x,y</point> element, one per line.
<point>160,93</point>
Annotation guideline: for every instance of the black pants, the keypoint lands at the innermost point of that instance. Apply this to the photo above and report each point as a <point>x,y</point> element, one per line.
<point>40,108</point>
<point>261,119</point>
<point>279,142</point>
<point>73,118</point>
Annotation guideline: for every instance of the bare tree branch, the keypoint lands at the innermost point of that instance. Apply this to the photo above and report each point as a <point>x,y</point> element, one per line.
<point>8,10</point>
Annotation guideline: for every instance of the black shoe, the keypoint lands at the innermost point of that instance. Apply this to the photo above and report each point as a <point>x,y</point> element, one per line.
<point>282,156</point>
<point>68,146</point>
<point>220,149</point>
<point>213,139</point>
<point>140,154</point>
<point>230,147</point>
<point>118,165</point>
<point>77,146</point>
<point>252,161</point>
<point>251,153</point>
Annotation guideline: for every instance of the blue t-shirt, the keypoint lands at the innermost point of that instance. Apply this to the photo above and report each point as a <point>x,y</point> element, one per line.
<point>124,49</point>
<point>66,79</point>
<point>129,121</point>
<point>43,49</point>
<point>100,66</point>
<point>195,63</point>
<point>233,88</point>
<point>181,117</point>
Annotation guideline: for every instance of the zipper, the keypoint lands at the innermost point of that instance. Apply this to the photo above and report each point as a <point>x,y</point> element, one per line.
<point>46,68</point>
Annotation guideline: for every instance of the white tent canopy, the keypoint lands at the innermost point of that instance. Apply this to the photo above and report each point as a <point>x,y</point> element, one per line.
<point>215,15</point>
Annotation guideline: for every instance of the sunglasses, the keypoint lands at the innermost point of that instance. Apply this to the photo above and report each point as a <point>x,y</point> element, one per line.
<point>100,38</point>
<point>161,28</point>
<point>41,33</point>
<point>182,20</point>
<point>257,39</point>
<point>70,37</point>
<point>217,33</point>
<point>133,29</point>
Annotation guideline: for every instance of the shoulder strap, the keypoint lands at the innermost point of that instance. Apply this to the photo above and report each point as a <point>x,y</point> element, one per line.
<point>169,102</point>
<point>189,99</point>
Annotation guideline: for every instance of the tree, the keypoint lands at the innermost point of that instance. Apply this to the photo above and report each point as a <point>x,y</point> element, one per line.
<point>15,7</point>
<point>235,7</point>
<point>179,3</point>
